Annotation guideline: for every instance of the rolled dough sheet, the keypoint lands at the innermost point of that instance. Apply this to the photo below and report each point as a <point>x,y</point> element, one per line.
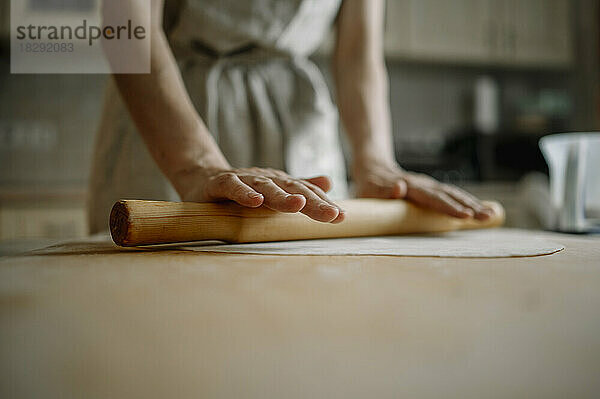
<point>495,243</point>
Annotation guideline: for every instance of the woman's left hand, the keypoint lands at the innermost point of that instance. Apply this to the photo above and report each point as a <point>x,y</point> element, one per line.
<point>385,181</point>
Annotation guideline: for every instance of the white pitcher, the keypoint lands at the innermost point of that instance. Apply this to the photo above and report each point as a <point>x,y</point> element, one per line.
<point>574,163</point>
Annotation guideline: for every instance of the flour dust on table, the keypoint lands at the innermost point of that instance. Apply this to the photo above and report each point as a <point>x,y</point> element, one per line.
<point>494,243</point>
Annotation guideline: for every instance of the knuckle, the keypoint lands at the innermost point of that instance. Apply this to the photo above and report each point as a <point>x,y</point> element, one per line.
<point>455,191</point>
<point>227,176</point>
<point>289,183</point>
<point>260,181</point>
<point>274,172</point>
<point>317,203</point>
<point>441,197</point>
<point>224,179</point>
<point>238,190</point>
<point>456,194</point>
<point>317,190</point>
<point>309,185</point>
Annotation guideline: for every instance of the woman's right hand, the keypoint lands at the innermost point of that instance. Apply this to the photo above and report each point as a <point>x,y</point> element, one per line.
<point>253,187</point>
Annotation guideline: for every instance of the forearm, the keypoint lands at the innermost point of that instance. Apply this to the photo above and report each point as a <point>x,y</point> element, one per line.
<point>362,82</point>
<point>166,118</point>
<point>362,93</point>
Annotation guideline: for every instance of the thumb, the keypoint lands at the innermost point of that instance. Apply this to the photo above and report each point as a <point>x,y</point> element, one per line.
<point>400,189</point>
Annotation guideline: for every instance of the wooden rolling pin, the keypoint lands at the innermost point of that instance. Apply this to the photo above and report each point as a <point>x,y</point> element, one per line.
<point>136,223</point>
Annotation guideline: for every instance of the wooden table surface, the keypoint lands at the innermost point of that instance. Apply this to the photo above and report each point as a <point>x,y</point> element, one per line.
<point>89,320</point>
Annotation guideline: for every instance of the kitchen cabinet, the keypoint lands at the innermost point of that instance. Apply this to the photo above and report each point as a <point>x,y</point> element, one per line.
<point>506,32</point>
<point>533,33</point>
<point>48,214</point>
<point>57,222</point>
<point>541,32</point>
<point>438,29</point>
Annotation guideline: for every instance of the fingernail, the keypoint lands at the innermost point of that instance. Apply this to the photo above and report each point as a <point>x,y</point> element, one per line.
<point>254,195</point>
<point>340,218</point>
<point>469,212</point>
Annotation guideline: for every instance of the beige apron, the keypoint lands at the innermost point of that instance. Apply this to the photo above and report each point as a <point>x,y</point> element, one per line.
<point>245,66</point>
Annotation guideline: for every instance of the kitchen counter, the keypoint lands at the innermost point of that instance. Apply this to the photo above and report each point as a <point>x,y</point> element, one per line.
<point>90,320</point>
<point>31,217</point>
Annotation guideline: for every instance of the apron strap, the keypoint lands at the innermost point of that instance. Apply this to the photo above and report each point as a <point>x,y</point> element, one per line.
<point>212,80</point>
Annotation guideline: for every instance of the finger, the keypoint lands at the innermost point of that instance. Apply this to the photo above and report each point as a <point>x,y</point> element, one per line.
<point>316,208</point>
<point>481,212</point>
<point>439,201</point>
<point>275,198</point>
<point>229,186</point>
<point>323,182</point>
<point>319,191</point>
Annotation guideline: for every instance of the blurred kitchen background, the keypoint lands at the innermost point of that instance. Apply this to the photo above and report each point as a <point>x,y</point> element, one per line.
<point>474,85</point>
